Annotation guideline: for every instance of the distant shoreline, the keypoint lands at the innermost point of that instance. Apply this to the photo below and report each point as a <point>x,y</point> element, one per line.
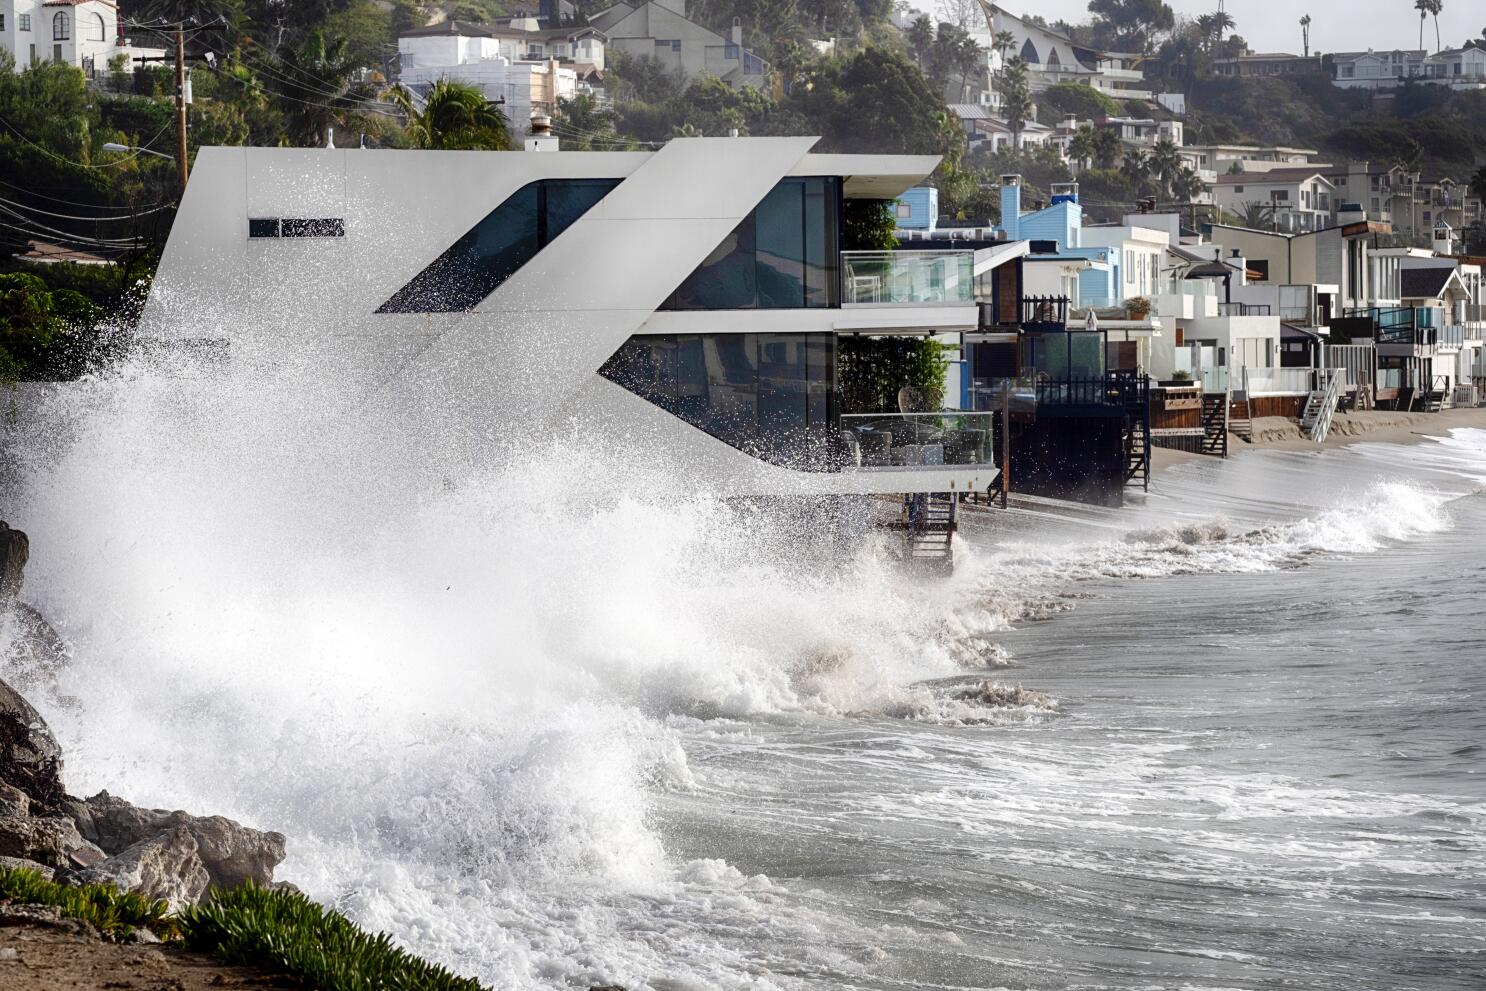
<point>1274,433</point>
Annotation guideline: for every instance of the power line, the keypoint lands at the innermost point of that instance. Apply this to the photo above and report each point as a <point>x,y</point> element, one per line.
<point>55,199</point>
<point>80,165</point>
<point>101,220</point>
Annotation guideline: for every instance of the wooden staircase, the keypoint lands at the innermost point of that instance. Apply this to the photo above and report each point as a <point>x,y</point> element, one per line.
<point>929,521</point>
<point>1137,397</point>
<point>1215,423</point>
<point>1320,406</point>
<point>1439,397</point>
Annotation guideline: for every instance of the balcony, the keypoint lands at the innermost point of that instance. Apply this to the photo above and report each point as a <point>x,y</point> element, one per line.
<point>918,440</point>
<point>918,278</point>
<point>1276,381</point>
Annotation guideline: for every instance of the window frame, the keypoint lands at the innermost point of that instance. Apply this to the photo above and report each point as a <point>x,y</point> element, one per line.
<point>61,26</point>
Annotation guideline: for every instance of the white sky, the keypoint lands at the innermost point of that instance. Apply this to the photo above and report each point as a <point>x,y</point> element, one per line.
<point>1273,25</point>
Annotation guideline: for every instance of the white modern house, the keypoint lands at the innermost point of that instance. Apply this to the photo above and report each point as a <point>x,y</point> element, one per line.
<point>1053,57</point>
<point>1457,68</point>
<point>684,305</point>
<point>82,33</point>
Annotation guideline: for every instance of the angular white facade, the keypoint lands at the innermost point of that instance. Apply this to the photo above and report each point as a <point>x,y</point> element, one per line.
<point>410,271</point>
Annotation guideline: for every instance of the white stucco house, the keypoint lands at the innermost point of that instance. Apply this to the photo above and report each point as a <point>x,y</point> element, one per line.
<point>83,33</point>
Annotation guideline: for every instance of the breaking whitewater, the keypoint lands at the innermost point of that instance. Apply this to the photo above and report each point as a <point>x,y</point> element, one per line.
<point>552,729</point>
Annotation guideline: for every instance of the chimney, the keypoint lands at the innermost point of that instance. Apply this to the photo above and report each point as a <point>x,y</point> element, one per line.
<point>1240,266</point>
<point>541,137</point>
<point>1011,206</point>
<point>1065,192</point>
<point>1444,239</point>
<point>1350,213</point>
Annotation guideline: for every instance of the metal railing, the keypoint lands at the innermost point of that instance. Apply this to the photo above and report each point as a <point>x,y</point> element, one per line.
<point>900,440</point>
<point>923,278</point>
<point>1243,310</point>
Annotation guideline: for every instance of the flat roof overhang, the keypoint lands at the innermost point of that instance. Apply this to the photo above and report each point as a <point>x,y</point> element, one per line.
<point>870,177</point>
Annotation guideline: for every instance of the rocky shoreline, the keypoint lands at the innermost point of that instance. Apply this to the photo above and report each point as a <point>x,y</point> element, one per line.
<point>158,853</point>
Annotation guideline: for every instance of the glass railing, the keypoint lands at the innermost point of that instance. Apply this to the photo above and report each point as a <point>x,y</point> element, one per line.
<point>1277,380</point>
<point>925,278</point>
<point>1192,287</point>
<point>1243,310</point>
<point>1451,335</point>
<point>918,440</point>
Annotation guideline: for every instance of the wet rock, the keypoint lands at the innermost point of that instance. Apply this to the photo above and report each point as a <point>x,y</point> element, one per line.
<point>30,759</point>
<point>36,652</point>
<point>15,549</point>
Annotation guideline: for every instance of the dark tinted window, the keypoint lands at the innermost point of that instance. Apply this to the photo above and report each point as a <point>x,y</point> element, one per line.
<point>295,227</point>
<point>496,248</point>
<point>772,395</point>
<point>784,255</point>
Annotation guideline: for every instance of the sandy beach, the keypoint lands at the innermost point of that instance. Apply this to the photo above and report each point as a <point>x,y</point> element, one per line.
<point>1376,426</point>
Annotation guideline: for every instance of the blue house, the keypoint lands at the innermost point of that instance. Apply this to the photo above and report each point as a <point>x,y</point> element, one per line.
<point>918,209</point>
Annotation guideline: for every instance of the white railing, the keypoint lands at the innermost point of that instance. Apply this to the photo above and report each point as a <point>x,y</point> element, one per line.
<point>1321,425</point>
<point>1279,381</point>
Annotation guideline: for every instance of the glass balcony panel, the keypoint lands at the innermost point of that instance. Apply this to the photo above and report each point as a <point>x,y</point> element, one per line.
<point>923,278</point>
<point>918,440</point>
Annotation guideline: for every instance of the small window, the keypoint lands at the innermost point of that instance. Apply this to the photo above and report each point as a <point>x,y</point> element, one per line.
<point>676,45</point>
<point>23,22</point>
<point>2,22</point>
<point>904,211</point>
<point>730,51</point>
<point>1238,189</point>
<point>61,27</point>
<point>259,227</point>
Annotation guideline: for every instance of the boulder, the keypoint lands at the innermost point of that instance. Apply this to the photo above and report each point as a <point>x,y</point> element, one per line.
<point>228,852</point>
<point>30,759</point>
<point>13,801</point>
<point>35,652</point>
<point>167,866</point>
<point>15,549</point>
<point>51,840</point>
<point>16,863</point>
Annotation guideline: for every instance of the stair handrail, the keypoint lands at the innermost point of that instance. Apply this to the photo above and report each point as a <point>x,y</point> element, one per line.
<point>1322,426</point>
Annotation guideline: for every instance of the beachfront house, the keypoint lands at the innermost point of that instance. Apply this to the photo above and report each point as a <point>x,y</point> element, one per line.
<point>1291,200</point>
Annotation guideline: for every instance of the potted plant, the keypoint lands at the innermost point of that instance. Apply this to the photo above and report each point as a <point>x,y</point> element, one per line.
<point>1138,307</point>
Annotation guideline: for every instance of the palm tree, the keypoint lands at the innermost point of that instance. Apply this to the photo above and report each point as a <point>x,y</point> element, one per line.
<point>1305,34</point>
<point>1256,215</point>
<point>1081,146</point>
<point>1223,21</point>
<point>455,117</point>
<point>1434,7</point>
<point>1016,99</point>
<point>1165,164</point>
<point>316,82</point>
<point>1422,6</point>
<point>1136,168</point>
<point>1106,148</point>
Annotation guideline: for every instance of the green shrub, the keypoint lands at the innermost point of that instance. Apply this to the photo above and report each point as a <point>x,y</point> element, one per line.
<point>115,914</point>
<point>1084,102</point>
<point>285,930</point>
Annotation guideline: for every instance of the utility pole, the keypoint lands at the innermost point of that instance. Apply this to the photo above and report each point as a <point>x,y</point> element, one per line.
<point>180,104</point>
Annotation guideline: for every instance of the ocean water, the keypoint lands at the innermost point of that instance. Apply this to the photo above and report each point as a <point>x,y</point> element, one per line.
<point>555,735</point>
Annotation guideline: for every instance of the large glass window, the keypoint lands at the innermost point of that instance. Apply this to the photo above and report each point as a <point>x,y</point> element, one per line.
<point>784,255</point>
<point>772,395</point>
<point>496,248</point>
